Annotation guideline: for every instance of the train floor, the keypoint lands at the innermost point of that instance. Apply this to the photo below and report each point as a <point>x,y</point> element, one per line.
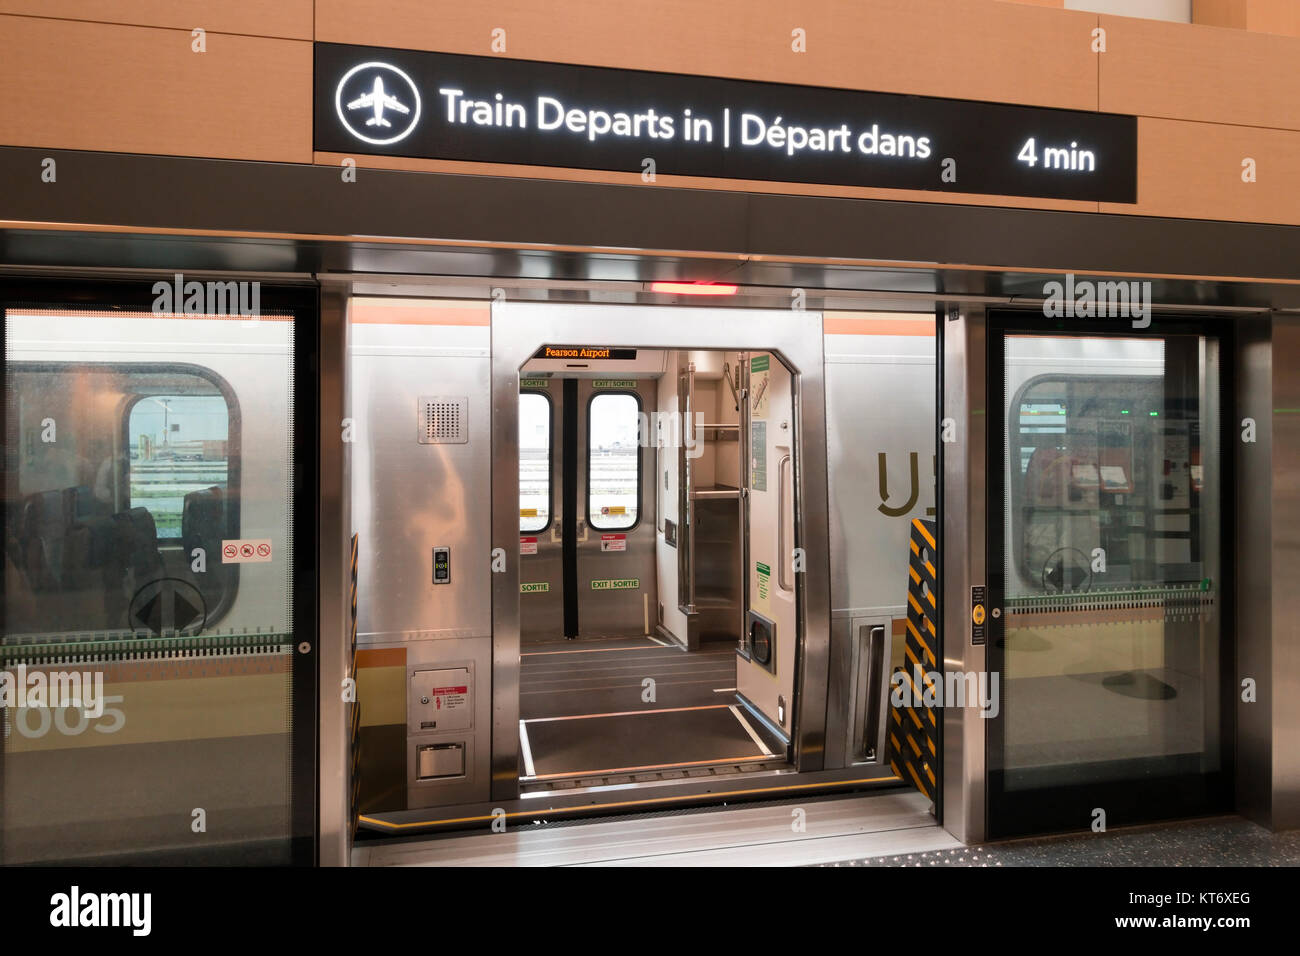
<point>633,706</point>
<point>834,829</point>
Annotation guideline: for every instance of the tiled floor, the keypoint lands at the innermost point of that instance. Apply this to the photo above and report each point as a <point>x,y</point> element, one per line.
<point>1222,841</point>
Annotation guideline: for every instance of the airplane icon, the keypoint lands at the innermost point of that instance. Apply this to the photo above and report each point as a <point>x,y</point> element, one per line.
<point>380,100</point>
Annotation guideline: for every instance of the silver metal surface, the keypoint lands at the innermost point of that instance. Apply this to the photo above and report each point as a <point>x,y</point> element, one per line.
<point>963,514</point>
<point>428,665</point>
<point>1254,569</point>
<point>543,610</point>
<point>841,829</point>
<point>685,498</point>
<point>443,420</point>
<point>720,785</point>
<point>782,546</point>
<point>1268,550</point>
<point>333,604</point>
<point>412,496</point>
<point>871,686</point>
<point>1284,697</point>
<point>518,330</point>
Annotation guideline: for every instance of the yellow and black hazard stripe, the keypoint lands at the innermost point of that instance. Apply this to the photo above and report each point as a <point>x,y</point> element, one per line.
<point>913,727</point>
<point>355,723</point>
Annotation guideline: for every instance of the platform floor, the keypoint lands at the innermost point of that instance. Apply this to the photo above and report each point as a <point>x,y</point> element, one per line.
<point>1217,841</point>
<point>834,829</point>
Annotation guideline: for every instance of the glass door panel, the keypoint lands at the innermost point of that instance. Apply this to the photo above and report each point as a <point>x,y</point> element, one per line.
<point>1106,567</point>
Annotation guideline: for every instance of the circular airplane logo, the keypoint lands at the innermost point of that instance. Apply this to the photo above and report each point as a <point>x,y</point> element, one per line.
<point>377,103</point>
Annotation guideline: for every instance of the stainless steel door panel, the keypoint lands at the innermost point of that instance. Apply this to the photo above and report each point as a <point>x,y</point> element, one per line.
<point>610,560</point>
<point>541,560</point>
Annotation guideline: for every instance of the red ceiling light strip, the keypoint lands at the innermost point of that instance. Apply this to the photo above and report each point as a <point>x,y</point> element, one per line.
<point>693,288</point>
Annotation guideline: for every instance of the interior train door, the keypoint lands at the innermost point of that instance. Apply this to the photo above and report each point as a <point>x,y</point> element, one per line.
<point>614,566</point>
<point>766,657</point>
<point>586,508</point>
<point>541,552</point>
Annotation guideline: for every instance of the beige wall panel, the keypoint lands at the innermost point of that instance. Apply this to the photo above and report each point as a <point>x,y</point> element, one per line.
<point>1212,74</point>
<point>699,182</point>
<point>73,85</point>
<point>1193,171</point>
<point>263,18</point>
<point>972,49</point>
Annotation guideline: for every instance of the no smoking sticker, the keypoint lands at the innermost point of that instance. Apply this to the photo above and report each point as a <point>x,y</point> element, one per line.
<point>246,551</point>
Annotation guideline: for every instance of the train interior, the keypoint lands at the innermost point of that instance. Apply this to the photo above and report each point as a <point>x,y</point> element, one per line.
<point>644,649</point>
<point>649,482</point>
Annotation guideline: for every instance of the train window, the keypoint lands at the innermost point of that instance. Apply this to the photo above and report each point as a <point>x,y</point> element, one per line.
<point>153,538</point>
<point>1082,478</point>
<point>177,444</point>
<point>613,461</point>
<point>534,462</point>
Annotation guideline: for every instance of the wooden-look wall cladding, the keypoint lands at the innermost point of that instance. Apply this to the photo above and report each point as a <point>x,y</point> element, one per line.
<point>73,85</point>
<point>1208,96</point>
<point>1210,74</point>
<point>1193,171</point>
<point>291,19</point>
<point>970,49</point>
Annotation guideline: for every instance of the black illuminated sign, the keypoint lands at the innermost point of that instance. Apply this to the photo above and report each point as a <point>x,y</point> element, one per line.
<point>496,110</point>
<point>585,353</point>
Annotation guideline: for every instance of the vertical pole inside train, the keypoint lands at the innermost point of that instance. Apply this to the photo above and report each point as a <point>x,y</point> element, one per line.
<point>569,495</point>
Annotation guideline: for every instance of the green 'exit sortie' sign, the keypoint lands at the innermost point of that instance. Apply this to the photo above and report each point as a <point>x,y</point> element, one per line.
<point>616,584</point>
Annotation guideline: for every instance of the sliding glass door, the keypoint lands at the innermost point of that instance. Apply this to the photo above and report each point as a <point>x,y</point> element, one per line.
<point>1109,478</point>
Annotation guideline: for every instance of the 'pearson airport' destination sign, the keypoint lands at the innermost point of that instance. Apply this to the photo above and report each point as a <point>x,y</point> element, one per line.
<point>497,110</point>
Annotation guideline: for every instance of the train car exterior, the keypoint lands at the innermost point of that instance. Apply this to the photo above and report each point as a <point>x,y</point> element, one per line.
<point>549,418</point>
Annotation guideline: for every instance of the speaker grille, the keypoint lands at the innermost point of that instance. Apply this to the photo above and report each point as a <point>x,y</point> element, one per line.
<point>443,420</point>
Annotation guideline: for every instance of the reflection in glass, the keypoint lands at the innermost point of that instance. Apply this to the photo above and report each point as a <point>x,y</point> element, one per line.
<point>1111,656</point>
<point>129,469</point>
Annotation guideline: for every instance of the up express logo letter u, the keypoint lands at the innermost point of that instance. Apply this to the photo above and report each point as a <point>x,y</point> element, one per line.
<point>377,103</point>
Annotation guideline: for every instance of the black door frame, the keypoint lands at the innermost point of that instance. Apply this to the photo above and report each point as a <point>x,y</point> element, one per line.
<point>302,300</point>
<point>1127,800</point>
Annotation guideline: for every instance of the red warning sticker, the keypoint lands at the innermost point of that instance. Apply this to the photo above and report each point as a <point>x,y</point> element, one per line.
<point>527,545</point>
<point>613,542</point>
<point>450,698</point>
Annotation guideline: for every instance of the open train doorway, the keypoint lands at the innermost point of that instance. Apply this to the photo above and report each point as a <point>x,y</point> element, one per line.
<point>591,555</point>
<point>655,492</point>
